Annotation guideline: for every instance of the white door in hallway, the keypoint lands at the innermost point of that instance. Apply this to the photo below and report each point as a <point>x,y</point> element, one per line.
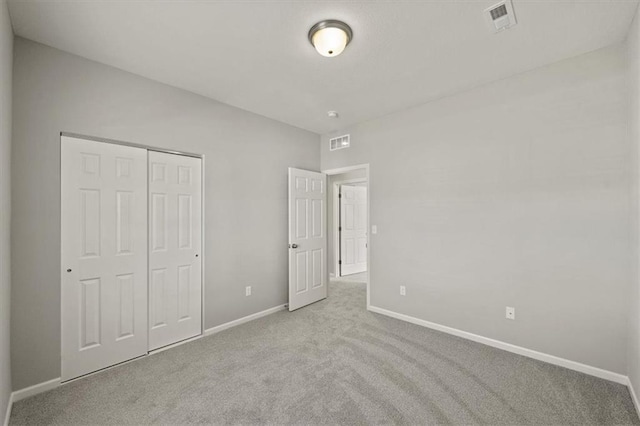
<point>307,237</point>
<point>353,229</point>
<point>103,255</point>
<point>175,229</point>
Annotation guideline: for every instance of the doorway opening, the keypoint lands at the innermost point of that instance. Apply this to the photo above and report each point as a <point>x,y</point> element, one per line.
<point>348,225</point>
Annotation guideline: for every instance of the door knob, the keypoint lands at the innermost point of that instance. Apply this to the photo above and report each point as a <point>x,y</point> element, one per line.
<point>294,246</point>
<point>197,255</point>
<point>68,270</point>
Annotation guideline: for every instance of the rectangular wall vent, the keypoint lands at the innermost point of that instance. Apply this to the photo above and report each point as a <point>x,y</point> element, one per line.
<point>339,142</point>
<point>500,16</point>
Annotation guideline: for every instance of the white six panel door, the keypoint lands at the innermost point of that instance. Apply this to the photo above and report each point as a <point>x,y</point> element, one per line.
<point>104,255</point>
<point>175,227</point>
<point>353,223</point>
<point>307,238</point>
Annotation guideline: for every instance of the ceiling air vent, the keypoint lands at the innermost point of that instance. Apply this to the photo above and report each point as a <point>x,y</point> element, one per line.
<point>500,16</point>
<point>339,142</point>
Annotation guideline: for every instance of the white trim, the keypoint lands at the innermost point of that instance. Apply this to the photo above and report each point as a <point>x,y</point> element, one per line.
<point>35,389</point>
<point>341,170</point>
<point>634,397</point>
<point>7,415</point>
<point>131,144</point>
<point>203,253</point>
<point>226,325</point>
<point>540,356</point>
<point>583,368</point>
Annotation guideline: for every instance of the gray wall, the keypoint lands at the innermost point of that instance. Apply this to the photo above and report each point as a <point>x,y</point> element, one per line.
<point>355,174</point>
<point>633,57</point>
<point>512,194</point>
<point>246,160</point>
<point>6,61</point>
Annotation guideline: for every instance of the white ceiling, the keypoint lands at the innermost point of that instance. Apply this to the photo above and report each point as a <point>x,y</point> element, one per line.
<point>255,54</point>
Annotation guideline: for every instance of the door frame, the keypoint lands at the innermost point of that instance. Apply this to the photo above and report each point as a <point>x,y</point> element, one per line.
<point>336,221</point>
<point>203,233</point>
<point>367,178</point>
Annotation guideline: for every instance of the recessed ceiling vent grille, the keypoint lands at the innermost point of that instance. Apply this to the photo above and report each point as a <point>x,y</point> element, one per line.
<point>500,16</point>
<point>498,12</point>
<point>339,142</point>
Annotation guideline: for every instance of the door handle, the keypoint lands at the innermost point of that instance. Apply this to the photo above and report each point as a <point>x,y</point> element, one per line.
<point>293,245</point>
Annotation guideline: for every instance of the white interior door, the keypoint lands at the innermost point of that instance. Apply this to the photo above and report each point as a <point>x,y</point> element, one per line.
<point>104,255</point>
<point>307,237</point>
<point>175,229</point>
<point>353,229</point>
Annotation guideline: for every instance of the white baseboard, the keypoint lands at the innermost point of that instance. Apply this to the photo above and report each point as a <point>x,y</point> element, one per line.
<point>7,416</point>
<point>540,356</point>
<point>551,359</point>
<point>54,383</point>
<point>634,397</point>
<point>226,325</point>
<point>35,389</point>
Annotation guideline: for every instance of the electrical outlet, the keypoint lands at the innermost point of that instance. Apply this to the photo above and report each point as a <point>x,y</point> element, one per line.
<point>403,290</point>
<point>247,290</point>
<point>374,229</point>
<point>511,313</point>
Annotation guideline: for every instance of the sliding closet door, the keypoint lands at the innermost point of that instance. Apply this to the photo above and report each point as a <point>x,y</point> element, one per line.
<point>104,255</point>
<point>175,228</point>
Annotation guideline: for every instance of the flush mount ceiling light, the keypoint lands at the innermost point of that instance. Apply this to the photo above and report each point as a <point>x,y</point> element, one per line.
<point>330,37</point>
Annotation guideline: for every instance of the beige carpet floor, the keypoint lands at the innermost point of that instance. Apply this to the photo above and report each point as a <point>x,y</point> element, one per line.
<point>332,363</point>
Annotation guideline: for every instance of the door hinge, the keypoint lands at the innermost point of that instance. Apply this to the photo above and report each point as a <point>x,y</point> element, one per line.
<point>339,228</point>
<point>339,262</point>
<point>339,195</point>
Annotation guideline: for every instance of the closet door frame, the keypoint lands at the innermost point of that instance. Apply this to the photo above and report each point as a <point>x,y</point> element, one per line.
<point>203,253</point>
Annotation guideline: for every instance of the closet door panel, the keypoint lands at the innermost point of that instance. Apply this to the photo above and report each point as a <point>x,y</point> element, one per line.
<point>175,226</point>
<point>104,255</point>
